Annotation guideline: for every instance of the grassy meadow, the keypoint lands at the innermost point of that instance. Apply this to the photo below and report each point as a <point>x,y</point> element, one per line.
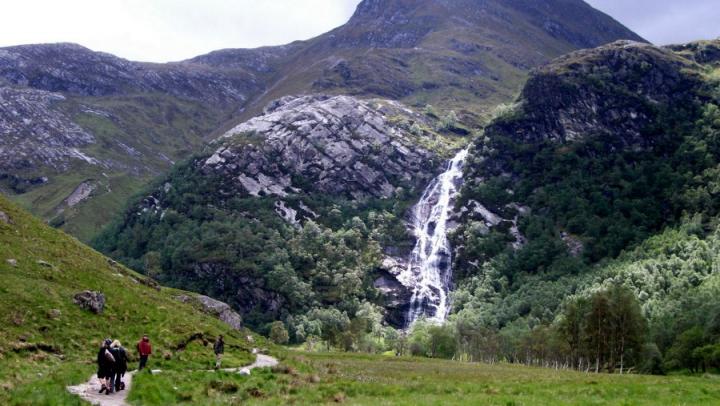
<point>355,379</point>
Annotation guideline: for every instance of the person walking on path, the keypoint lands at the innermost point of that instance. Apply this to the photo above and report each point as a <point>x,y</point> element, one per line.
<point>120,355</point>
<point>106,365</point>
<point>144,349</point>
<point>219,349</point>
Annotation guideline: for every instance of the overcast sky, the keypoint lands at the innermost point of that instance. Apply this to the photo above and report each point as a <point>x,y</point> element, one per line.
<point>168,30</point>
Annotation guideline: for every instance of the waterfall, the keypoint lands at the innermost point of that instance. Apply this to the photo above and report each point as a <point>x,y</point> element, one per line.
<point>429,269</point>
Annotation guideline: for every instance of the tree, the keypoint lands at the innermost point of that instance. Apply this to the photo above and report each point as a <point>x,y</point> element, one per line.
<point>652,360</point>
<point>442,341</point>
<point>626,324</point>
<point>278,333</point>
<point>572,328</point>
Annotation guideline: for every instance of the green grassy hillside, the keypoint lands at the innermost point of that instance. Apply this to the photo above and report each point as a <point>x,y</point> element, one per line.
<point>48,342</point>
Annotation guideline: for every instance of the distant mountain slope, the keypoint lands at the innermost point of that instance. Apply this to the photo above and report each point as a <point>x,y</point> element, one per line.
<point>47,341</point>
<point>467,55</point>
<point>80,131</point>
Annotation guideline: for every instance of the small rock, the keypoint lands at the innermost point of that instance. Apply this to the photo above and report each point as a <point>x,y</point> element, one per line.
<point>89,300</point>
<point>250,339</point>
<point>155,371</point>
<point>167,355</point>
<point>11,262</point>
<point>339,397</point>
<point>244,372</point>
<point>44,263</point>
<point>54,314</point>
<point>4,218</point>
<point>314,379</point>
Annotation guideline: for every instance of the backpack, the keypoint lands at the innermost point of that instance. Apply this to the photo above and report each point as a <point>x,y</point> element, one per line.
<point>109,357</point>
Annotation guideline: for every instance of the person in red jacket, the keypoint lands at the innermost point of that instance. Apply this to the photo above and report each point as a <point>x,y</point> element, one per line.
<point>144,349</point>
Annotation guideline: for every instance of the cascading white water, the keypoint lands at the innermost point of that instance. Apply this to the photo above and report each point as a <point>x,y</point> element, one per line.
<point>429,269</point>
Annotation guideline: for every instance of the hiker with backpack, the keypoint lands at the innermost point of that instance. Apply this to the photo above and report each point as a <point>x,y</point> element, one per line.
<point>219,349</point>
<point>106,367</point>
<point>120,355</point>
<point>144,349</point>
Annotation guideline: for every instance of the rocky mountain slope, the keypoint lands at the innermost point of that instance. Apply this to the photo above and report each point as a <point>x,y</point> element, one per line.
<point>101,126</point>
<point>604,148</point>
<point>465,55</point>
<point>59,299</point>
<point>72,118</point>
<point>292,206</point>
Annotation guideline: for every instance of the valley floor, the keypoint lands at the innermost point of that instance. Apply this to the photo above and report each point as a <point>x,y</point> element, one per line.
<point>378,380</point>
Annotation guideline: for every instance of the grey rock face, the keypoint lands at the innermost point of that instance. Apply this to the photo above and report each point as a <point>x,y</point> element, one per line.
<point>339,145</point>
<point>90,300</point>
<point>223,311</point>
<point>74,69</point>
<point>576,95</point>
<point>396,295</point>
<point>33,133</point>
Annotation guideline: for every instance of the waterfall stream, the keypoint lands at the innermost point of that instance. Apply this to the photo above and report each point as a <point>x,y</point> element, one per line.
<point>429,269</point>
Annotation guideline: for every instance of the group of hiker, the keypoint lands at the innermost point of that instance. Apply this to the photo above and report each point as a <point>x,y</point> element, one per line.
<point>112,362</point>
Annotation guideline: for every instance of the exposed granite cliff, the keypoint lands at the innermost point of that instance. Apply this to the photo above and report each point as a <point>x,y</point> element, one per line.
<point>338,145</point>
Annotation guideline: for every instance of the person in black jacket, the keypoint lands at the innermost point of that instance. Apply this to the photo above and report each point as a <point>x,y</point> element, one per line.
<point>120,355</point>
<point>219,349</point>
<point>106,366</point>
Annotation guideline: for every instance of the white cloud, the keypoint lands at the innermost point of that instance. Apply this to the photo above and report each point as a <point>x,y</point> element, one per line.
<point>167,30</point>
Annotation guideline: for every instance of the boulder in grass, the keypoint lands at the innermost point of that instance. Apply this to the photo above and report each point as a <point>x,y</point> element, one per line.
<point>90,300</point>
<point>4,218</point>
<point>222,310</point>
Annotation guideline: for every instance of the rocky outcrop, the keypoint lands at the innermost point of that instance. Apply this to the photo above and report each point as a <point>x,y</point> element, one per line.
<point>396,295</point>
<point>217,308</point>
<point>242,292</point>
<point>703,52</point>
<point>4,218</point>
<point>614,90</point>
<point>91,301</point>
<point>33,133</point>
<point>81,193</point>
<point>340,145</point>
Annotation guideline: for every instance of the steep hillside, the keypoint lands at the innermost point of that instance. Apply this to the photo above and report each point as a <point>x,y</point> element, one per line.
<point>603,149</point>
<point>48,341</point>
<point>465,55</point>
